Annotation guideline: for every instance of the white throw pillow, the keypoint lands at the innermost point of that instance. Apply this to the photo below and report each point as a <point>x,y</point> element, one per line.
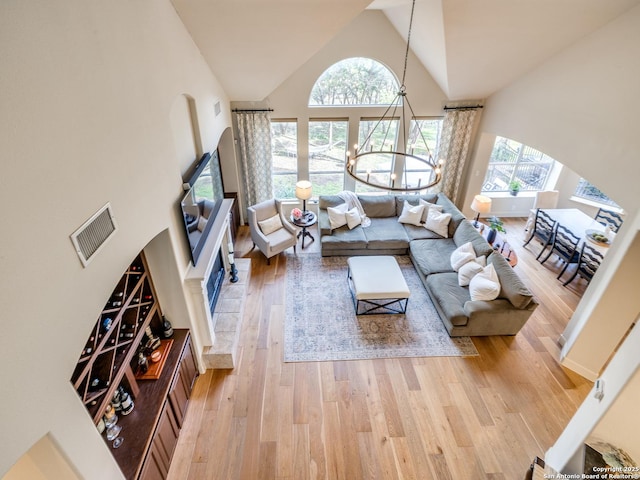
<point>461,255</point>
<point>270,225</point>
<point>353,218</point>
<point>337,215</point>
<point>438,222</point>
<point>485,285</point>
<point>411,214</point>
<point>481,260</point>
<point>428,206</point>
<point>467,272</point>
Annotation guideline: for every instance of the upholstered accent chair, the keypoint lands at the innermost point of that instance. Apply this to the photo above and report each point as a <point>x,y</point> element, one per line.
<point>270,231</point>
<point>544,199</point>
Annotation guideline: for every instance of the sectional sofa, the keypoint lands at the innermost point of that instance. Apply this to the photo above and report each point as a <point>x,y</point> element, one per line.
<point>431,256</point>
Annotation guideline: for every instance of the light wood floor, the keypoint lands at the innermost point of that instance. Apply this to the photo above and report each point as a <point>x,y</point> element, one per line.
<point>453,418</point>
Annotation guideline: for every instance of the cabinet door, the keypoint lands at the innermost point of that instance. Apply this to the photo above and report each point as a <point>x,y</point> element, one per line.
<point>154,466</point>
<point>162,446</point>
<point>182,384</point>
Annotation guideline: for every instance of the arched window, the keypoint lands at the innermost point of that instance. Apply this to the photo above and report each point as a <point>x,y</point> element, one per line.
<point>354,81</point>
<point>335,111</point>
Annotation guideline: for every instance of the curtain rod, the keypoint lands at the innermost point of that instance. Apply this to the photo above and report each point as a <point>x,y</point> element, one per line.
<point>239,110</point>
<point>468,107</point>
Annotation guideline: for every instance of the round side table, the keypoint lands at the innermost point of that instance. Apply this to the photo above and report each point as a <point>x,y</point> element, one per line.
<point>308,219</point>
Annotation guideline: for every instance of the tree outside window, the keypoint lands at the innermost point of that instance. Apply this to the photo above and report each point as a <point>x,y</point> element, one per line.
<point>354,81</point>
<point>327,154</point>
<point>284,148</point>
<point>590,192</point>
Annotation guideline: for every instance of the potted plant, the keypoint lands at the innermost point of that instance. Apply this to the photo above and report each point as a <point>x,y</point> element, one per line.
<point>514,187</point>
<point>495,225</point>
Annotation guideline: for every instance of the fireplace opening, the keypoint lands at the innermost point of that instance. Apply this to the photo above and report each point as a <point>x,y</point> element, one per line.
<point>214,282</point>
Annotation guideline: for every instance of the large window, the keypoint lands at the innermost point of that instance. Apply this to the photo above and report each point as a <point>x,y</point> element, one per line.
<point>327,153</point>
<point>284,148</point>
<point>350,96</point>
<point>512,161</point>
<point>590,192</point>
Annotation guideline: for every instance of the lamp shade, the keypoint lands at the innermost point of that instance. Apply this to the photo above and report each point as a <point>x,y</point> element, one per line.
<point>303,190</point>
<point>481,204</point>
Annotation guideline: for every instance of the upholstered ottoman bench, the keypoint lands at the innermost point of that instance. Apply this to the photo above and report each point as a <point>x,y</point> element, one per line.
<point>377,285</point>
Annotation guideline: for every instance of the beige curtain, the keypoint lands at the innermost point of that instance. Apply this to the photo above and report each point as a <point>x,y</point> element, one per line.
<point>254,136</point>
<point>454,149</point>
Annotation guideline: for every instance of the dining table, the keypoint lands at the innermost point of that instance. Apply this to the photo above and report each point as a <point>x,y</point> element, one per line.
<point>581,225</point>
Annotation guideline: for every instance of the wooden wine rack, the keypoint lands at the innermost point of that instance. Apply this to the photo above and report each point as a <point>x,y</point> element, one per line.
<point>114,340</point>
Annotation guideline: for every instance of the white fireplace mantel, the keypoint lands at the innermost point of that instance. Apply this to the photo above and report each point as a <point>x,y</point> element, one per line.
<point>195,280</point>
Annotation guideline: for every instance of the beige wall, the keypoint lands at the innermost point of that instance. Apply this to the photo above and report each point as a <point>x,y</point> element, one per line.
<point>86,90</point>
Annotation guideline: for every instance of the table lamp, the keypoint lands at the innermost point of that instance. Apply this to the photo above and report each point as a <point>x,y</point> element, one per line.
<point>303,192</point>
<point>480,204</point>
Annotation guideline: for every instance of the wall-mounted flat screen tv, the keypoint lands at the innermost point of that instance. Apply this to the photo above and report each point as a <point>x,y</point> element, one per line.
<point>202,201</point>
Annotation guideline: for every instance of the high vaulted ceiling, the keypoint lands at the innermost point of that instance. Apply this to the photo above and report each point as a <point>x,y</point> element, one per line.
<point>471,48</point>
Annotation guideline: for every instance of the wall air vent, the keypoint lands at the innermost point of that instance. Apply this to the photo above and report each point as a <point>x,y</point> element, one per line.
<point>93,234</point>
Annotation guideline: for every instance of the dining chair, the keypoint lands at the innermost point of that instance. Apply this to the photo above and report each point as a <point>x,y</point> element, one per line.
<point>544,228</point>
<point>609,219</point>
<point>590,260</point>
<point>543,199</point>
<point>565,246</point>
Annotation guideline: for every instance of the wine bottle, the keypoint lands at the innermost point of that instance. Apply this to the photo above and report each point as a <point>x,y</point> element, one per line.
<point>167,328</point>
<point>117,401</point>
<point>106,324</point>
<point>126,401</point>
<point>143,364</point>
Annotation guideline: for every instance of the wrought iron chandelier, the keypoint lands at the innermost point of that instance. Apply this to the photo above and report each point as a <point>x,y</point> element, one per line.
<point>362,169</point>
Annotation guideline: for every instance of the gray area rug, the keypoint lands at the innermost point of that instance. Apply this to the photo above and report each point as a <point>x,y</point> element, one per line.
<point>321,324</point>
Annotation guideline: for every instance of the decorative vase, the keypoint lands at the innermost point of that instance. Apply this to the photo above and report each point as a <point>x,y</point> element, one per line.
<point>491,236</point>
<point>513,192</point>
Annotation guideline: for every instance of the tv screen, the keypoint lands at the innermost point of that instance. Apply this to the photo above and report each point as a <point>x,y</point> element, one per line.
<point>202,201</point>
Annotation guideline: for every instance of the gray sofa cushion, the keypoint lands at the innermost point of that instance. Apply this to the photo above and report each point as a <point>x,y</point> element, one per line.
<point>511,287</point>
<point>449,207</point>
<point>413,200</point>
<point>344,239</point>
<point>325,201</point>
<point>432,256</point>
<point>466,233</point>
<point>385,233</point>
<point>378,206</point>
<point>449,296</point>
<point>419,233</point>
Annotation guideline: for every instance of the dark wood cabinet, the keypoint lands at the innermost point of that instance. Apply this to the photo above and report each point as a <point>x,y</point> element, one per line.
<point>158,461</point>
<point>182,385</point>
